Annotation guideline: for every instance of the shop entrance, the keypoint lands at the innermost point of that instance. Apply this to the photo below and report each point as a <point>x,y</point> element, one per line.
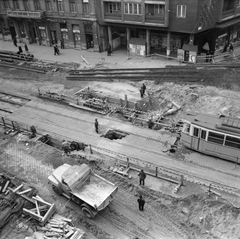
<point>53,37</point>
<point>89,41</point>
<point>32,32</point>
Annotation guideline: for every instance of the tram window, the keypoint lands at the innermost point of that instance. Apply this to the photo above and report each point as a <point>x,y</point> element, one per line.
<point>203,134</point>
<point>195,132</point>
<point>215,138</point>
<point>232,142</point>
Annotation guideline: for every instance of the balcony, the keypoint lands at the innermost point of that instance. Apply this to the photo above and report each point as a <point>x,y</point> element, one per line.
<point>155,19</point>
<point>26,14</point>
<point>112,16</point>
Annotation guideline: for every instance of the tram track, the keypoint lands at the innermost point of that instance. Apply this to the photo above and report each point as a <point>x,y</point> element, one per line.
<point>49,123</point>
<point>189,74</point>
<point>166,171</point>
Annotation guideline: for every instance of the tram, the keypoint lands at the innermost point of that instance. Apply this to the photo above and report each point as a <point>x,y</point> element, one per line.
<point>218,136</point>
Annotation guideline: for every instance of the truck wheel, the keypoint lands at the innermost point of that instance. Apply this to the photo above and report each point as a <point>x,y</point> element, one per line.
<point>55,189</point>
<point>87,212</point>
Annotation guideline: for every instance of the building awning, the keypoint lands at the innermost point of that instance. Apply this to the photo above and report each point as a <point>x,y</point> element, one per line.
<point>187,47</point>
<point>137,41</point>
<point>228,23</point>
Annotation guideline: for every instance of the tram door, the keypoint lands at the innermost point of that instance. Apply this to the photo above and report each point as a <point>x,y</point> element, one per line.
<point>195,138</point>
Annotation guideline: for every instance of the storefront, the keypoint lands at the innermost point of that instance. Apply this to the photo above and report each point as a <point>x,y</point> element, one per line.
<point>76,36</point>
<point>43,35</point>
<point>89,34</point>
<point>22,31</point>
<point>64,34</point>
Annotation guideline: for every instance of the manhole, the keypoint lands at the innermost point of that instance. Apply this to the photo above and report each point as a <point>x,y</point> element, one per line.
<point>115,134</point>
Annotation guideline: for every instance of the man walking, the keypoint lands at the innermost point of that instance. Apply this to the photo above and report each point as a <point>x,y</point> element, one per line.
<point>141,203</point>
<point>143,88</point>
<point>142,175</point>
<point>96,125</point>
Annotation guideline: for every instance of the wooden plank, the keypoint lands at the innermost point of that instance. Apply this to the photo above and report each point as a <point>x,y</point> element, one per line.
<point>25,191</point>
<point>42,201</point>
<point>48,214</point>
<point>38,212</point>
<point>16,189</point>
<point>5,186</point>
<point>34,215</point>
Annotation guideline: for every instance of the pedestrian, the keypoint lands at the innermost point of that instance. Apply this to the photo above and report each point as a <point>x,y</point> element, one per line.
<point>62,43</point>
<point>109,49</point>
<point>230,47</point>
<point>26,47</point>
<point>96,125</point>
<point>225,47</point>
<point>141,203</point>
<point>144,88</point>
<point>56,50</point>
<point>15,41</point>
<point>20,49</point>
<point>142,175</point>
<point>141,92</point>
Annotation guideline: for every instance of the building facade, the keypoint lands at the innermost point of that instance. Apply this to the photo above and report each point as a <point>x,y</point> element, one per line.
<point>141,26</point>
<point>47,22</point>
<point>166,25</point>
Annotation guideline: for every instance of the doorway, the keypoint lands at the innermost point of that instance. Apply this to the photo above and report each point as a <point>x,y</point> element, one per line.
<point>89,41</point>
<point>32,33</point>
<point>53,37</point>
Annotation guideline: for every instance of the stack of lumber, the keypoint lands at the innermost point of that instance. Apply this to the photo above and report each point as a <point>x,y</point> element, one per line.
<point>61,227</point>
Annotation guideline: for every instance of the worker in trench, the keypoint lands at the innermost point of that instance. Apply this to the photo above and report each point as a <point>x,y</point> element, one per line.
<point>66,147</point>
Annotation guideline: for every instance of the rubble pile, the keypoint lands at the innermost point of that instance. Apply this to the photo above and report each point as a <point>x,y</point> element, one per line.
<point>61,227</point>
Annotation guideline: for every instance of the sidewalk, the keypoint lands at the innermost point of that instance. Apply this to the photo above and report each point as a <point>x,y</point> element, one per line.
<point>119,58</point>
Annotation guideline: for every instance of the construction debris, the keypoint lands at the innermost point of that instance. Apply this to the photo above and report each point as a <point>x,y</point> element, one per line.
<point>61,227</point>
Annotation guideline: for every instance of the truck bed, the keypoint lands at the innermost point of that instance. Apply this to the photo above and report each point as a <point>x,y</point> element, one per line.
<point>95,191</point>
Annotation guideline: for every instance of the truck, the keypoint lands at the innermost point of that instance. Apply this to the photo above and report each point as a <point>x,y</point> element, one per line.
<point>80,184</point>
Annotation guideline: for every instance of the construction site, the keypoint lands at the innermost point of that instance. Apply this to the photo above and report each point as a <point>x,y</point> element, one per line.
<point>187,194</point>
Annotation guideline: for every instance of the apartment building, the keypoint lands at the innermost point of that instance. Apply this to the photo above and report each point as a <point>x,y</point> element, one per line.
<point>141,26</point>
<point>165,25</point>
<point>46,22</point>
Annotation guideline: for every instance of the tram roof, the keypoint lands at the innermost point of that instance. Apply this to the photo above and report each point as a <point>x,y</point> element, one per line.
<point>215,122</point>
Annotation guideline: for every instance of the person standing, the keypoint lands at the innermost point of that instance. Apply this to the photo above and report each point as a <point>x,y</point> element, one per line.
<point>141,203</point>
<point>144,88</point>
<point>26,47</point>
<point>141,92</point>
<point>109,49</point>
<point>56,50</point>
<point>62,43</point>
<point>20,49</point>
<point>230,47</point>
<point>15,41</point>
<point>142,175</point>
<point>96,125</point>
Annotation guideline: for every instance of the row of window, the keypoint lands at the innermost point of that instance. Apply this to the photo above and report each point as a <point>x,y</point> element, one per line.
<point>37,6</point>
<point>129,8</point>
<point>217,138</point>
<point>136,9</point>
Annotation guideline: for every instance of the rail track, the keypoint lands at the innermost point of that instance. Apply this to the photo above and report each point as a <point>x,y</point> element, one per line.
<point>10,102</point>
<point>188,74</point>
<point>22,67</point>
